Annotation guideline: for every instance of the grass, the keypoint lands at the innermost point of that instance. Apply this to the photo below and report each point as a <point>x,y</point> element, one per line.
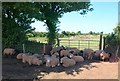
<point>39,39</point>
<point>81,41</point>
<point>81,44</point>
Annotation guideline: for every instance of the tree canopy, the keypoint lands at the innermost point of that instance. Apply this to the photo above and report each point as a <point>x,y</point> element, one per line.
<point>51,11</point>
<point>17,17</point>
<point>114,37</point>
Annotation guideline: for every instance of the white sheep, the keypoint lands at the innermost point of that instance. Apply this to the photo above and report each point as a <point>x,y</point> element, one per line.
<point>19,56</point>
<point>54,61</point>
<point>51,61</point>
<point>77,58</point>
<point>67,62</point>
<point>64,53</point>
<point>9,51</point>
<point>88,53</point>
<point>47,60</point>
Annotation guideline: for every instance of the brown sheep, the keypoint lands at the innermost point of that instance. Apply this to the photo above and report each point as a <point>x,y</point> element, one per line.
<point>9,51</point>
<point>27,58</point>
<point>19,56</point>
<point>56,49</point>
<point>36,61</point>
<point>67,62</point>
<point>64,53</point>
<point>88,53</point>
<point>104,56</point>
<point>74,51</point>
<point>97,52</point>
<point>77,58</point>
<point>51,61</point>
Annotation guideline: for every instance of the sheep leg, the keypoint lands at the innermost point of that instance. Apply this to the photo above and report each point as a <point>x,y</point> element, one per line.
<point>23,61</point>
<point>53,66</point>
<point>29,62</point>
<point>58,64</point>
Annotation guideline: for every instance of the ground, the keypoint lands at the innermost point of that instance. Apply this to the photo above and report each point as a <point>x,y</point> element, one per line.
<point>15,69</point>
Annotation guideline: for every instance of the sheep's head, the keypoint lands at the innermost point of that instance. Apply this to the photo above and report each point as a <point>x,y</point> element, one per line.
<point>63,59</point>
<point>71,55</point>
<point>104,55</point>
<point>39,62</point>
<point>56,54</point>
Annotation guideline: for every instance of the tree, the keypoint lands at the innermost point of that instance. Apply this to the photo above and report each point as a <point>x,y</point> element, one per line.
<point>18,17</point>
<point>16,20</point>
<point>114,37</point>
<point>51,11</point>
<point>117,32</point>
<point>79,33</point>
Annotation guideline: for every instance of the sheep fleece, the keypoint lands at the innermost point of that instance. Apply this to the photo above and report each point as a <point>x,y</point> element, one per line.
<point>9,51</point>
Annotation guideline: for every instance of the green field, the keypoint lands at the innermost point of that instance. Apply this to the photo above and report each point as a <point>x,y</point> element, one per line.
<point>81,41</point>
<point>38,39</point>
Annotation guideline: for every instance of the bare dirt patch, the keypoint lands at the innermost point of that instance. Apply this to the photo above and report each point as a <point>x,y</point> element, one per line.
<point>15,69</point>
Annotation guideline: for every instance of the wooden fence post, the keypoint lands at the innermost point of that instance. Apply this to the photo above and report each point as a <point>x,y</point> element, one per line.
<point>69,43</point>
<point>104,43</point>
<point>79,44</point>
<point>43,48</point>
<point>47,48</point>
<point>88,43</point>
<point>58,42</point>
<point>100,44</point>
<point>23,48</point>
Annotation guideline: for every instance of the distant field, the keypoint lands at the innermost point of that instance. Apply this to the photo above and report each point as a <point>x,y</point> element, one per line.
<point>81,41</point>
<point>39,39</point>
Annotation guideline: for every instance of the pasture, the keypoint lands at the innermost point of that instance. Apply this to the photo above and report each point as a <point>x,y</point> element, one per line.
<point>80,41</point>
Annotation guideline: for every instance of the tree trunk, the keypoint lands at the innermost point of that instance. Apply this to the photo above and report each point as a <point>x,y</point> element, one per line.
<point>51,32</point>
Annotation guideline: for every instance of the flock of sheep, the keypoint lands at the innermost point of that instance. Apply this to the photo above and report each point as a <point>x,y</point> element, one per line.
<point>65,56</point>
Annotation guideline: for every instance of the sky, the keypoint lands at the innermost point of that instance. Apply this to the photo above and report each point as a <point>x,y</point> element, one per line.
<point>104,18</point>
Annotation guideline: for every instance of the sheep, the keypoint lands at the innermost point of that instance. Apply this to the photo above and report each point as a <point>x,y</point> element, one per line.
<point>88,53</point>
<point>39,56</point>
<point>64,53</point>
<point>27,58</point>
<point>97,52</point>
<point>74,51</point>
<point>30,59</point>
<point>47,60</point>
<point>9,51</point>
<point>54,61</point>
<point>105,56</point>
<point>19,56</point>
<point>36,55</point>
<point>56,54</point>
<point>51,61</point>
<point>67,62</point>
<point>77,58</point>
<point>56,49</point>
<point>36,61</point>
<point>96,55</point>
